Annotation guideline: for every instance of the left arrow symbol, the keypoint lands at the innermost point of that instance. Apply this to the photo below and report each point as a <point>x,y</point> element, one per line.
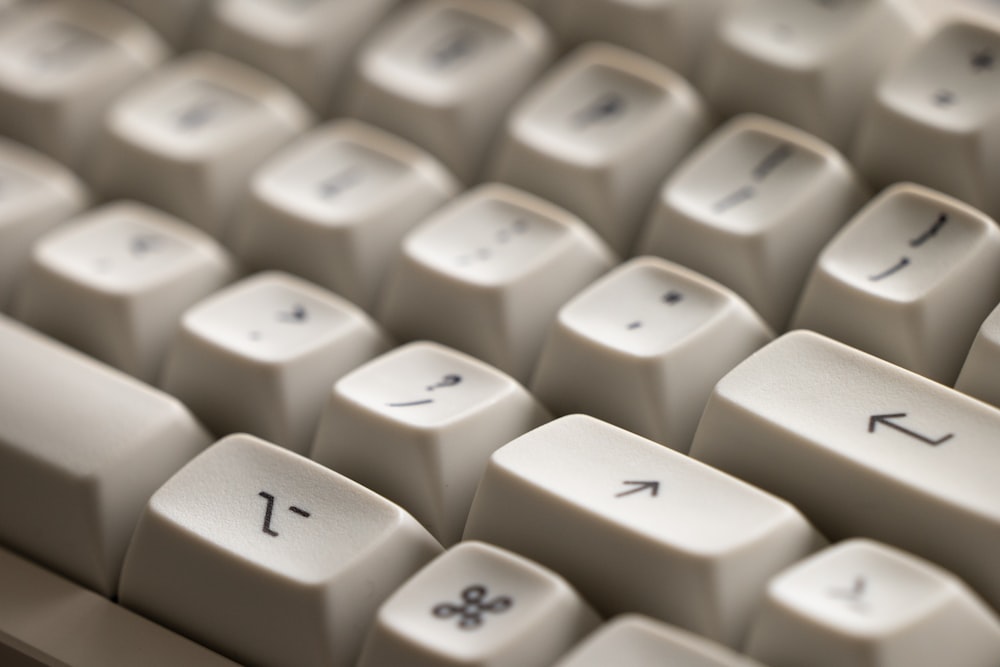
<point>637,486</point>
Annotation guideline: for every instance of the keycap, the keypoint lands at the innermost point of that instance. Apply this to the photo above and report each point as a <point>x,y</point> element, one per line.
<point>639,641</point>
<point>115,281</point>
<point>752,207</point>
<point>36,194</point>
<point>261,355</point>
<point>187,138</point>
<point>673,32</point>
<point>334,206</point>
<point>638,527</point>
<point>933,117</point>
<point>487,273</point>
<point>82,447</point>
<point>417,425</point>
<point>307,44</point>
<point>269,558</point>
<point>443,74</point>
<point>61,64</point>
<point>863,603</point>
<point>642,348</point>
<point>865,449</point>
<point>909,279</point>
<point>477,604</point>
<point>979,377</point>
<point>48,620</point>
<point>598,134</point>
<point>174,20</point>
<point>810,63</point>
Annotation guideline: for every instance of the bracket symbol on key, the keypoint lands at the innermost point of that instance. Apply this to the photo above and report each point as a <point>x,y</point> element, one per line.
<point>269,512</point>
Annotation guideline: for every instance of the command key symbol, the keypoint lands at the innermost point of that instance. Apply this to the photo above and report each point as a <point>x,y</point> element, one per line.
<point>473,606</point>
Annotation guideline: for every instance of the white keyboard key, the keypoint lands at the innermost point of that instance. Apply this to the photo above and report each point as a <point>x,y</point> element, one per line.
<point>82,447</point>
<point>811,63</point>
<point>478,605</point>
<point>173,19</point>
<point>469,276</point>
<point>307,44</point>
<point>444,73</point>
<point>261,355</point>
<point>642,348</point>
<point>752,207</point>
<point>673,32</point>
<point>187,138</point>
<point>115,282</point>
<point>334,206</point>
<point>638,641</point>
<point>36,194</point>
<point>60,67</point>
<point>598,134</point>
<point>909,279</point>
<point>269,558</point>
<point>980,374</point>
<point>864,604</point>
<point>934,119</point>
<point>417,425</point>
<point>638,527</point>
<point>865,449</point>
<point>48,620</point>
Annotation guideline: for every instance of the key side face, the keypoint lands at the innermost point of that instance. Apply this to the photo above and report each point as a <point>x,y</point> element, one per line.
<point>50,55</point>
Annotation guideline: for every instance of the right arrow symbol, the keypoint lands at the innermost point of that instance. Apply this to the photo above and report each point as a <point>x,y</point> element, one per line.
<point>653,487</point>
<point>887,420</point>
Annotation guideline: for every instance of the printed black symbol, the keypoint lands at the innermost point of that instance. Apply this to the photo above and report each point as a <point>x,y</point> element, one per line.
<point>637,486</point>
<point>422,401</point>
<point>673,297</point>
<point>449,380</point>
<point>604,108</point>
<point>944,98</point>
<point>503,235</point>
<point>144,243</point>
<point>198,115</point>
<point>296,314</point>
<point>337,183</point>
<point>901,264</point>
<point>472,607</point>
<point>940,222</point>
<point>633,325</point>
<point>853,595</point>
<point>735,198</point>
<point>767,165</point>
<point>454,48</point>
<point>982,60</point>
<point>269,512</point>
<point>887,420</point>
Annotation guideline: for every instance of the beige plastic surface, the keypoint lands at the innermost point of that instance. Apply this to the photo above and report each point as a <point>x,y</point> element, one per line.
<point>62,64</point>
<point>82,447</point>
<point>115,281</point>
<point>752,207</point>
<point>642,348</point>
<point>417,426</point>
<point>863,448</point>
<point>38,194</point>
<point>444,73</point>
<point>334,206</point>
<point>638,527</point>
<point>487,273</point>
<point>307,44</point>
<point>187,138</point>
<point>478,605</point>
<point>598,134</point>
<point>864,604</point>
<point>640,641</point>
<point>261,355</point>
<point>909,279</point>
<point>268,557</point>
<point>980,375</point>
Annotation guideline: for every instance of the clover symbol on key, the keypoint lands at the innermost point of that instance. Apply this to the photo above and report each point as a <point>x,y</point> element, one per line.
<point>474,604</point>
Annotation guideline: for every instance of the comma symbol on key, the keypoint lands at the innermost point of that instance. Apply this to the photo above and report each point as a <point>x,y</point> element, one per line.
<point>269,513</point>
<point>606,107</point>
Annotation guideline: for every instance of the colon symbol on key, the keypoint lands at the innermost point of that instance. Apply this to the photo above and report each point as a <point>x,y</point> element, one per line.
<point>269,512</point>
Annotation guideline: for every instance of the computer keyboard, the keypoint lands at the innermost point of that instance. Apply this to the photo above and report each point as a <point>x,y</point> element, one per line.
<point>419,333</point>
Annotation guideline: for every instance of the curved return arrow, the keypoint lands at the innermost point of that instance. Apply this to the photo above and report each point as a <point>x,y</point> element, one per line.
<point>875,420</point>
<point>653,487</point>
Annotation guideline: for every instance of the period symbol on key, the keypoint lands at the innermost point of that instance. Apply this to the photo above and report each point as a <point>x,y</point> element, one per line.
<point>296,314</point>
<point>473,606</point>
<point>854,595</point>
<point>269,513</point>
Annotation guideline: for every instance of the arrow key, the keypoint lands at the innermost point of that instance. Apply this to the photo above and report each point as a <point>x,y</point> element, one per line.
<point>638,527</point>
